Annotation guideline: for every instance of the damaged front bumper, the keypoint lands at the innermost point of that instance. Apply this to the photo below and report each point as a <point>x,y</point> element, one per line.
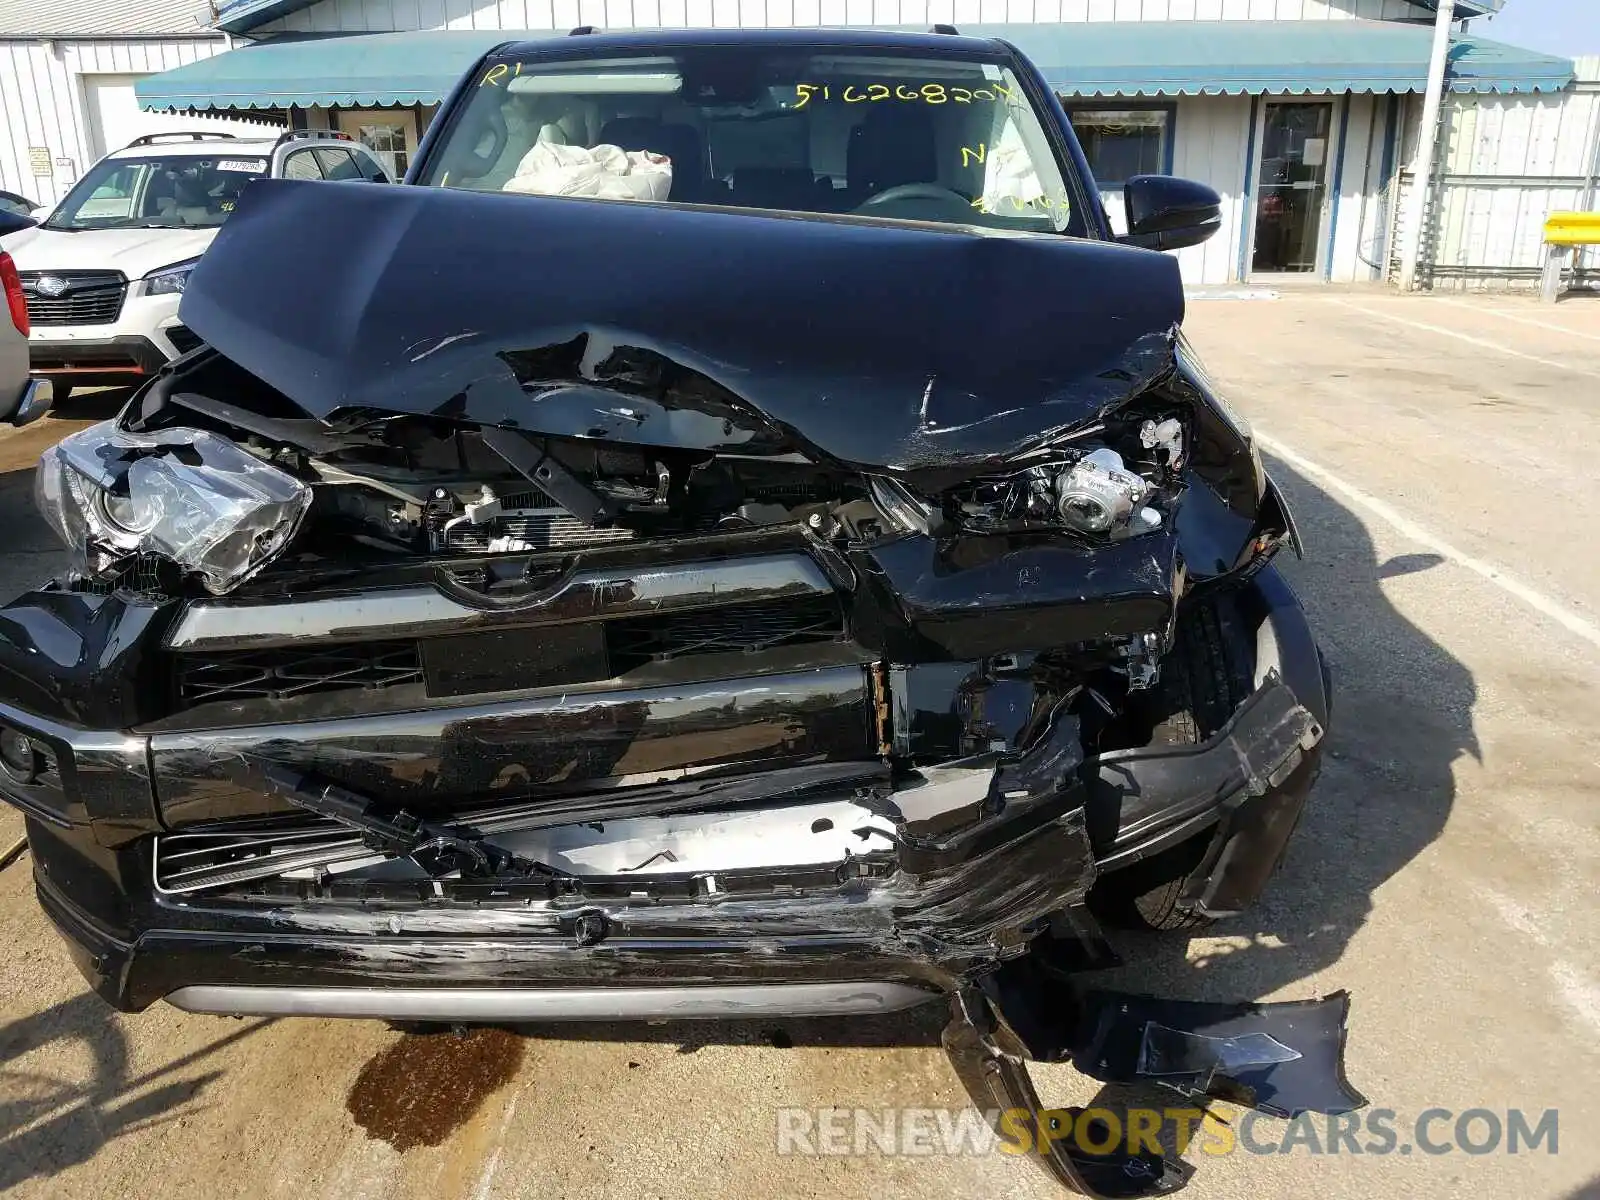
<point>942,877</point>
<point>153,844</point>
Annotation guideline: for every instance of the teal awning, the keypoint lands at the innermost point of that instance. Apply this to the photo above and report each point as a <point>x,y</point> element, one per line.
<point>1204,58</point>
<point>348,71</point>
<point>1097,58</point>
<point>242,16</point>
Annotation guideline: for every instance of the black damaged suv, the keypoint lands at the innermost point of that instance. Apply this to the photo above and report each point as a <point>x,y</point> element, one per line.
<point>738,535</point>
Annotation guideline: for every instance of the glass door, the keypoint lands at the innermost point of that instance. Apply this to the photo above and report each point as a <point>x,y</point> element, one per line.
<point>391,136</point>
<point>1292,209</point>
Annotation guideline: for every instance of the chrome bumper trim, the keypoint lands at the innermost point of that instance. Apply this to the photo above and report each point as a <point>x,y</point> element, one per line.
<point>422,611</point>
<point>557,1004</point>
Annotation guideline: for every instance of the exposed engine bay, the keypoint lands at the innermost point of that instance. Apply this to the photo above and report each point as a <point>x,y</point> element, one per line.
<point>406,487</point>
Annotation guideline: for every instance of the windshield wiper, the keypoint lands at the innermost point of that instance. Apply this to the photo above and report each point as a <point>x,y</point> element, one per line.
<point>125,225</point>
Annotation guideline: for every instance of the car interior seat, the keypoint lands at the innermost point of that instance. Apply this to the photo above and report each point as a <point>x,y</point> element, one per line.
<point>774,187</point>
<point>160,196</point>
<point>194,203</point>
<point>892,145</point>
<point>680,143</point>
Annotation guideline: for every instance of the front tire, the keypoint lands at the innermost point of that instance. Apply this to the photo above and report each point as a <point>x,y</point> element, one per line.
<point>1145,896</point>
<point>1202,685</point>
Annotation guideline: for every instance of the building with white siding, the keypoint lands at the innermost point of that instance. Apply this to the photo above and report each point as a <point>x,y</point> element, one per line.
<point>67,70</point>
<point>1301,113</point>
<point>1506,163</point>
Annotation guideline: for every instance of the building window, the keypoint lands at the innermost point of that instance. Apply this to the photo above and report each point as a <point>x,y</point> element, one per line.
<point>1123,142</point>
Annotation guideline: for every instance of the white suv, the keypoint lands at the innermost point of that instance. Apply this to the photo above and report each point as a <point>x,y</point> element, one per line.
<point>104,272</point>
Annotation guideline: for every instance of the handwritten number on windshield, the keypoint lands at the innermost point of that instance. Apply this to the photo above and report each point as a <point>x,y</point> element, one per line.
<point>927,93</point>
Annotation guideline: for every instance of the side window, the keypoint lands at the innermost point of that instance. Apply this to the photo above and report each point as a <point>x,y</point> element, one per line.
<point>302,164</point>
<point>338,164</point>
<point>1121,143</point>
<point>371,166</point>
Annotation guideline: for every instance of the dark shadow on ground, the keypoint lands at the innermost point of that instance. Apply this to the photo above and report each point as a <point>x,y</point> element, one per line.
<point>96,404</point>
<point>49,1123</point>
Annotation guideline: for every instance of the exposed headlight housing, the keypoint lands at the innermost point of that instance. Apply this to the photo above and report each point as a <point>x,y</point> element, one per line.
<point>1112,481</point>
<point>1098,494</point>
<point>183,494</point>
<point>169,281</point>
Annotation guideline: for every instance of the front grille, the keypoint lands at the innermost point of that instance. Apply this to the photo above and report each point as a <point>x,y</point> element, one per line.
<point>282,673</point>
<point>505,660</point>
<point>528,522</point>
<point>189,862</point>
<point>746,628</point>
<point>89,298</point>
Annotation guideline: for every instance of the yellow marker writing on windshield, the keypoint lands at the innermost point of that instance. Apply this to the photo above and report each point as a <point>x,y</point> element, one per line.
<point>495,74</point>
<point>924,93</point>
<point>970,156</point>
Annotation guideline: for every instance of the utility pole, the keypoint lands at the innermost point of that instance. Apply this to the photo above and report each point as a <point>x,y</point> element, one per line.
<point>1427,139</point>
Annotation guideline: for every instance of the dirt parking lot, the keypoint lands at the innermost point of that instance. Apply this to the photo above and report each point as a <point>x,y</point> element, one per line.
<point>1441,456</point>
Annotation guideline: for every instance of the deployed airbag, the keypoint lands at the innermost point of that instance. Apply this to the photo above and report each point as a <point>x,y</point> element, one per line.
<point>608,172</point>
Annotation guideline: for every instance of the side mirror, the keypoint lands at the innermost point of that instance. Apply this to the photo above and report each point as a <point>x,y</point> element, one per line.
<point>11,222</point>
<point>1168,213</point>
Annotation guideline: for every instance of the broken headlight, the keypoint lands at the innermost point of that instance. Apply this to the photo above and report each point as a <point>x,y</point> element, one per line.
<point>181,494</point>
<point>1116,489</point>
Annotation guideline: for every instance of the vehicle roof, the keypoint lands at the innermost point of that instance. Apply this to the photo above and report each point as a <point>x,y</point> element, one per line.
<point>211,147</point>
<point>675,39</point>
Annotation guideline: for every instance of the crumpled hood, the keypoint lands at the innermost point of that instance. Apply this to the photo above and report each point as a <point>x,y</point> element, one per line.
<point>930,351</point>
<point>134,252</point>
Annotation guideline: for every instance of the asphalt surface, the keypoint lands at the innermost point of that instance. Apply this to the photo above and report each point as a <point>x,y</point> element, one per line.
<point>1440,456</point>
